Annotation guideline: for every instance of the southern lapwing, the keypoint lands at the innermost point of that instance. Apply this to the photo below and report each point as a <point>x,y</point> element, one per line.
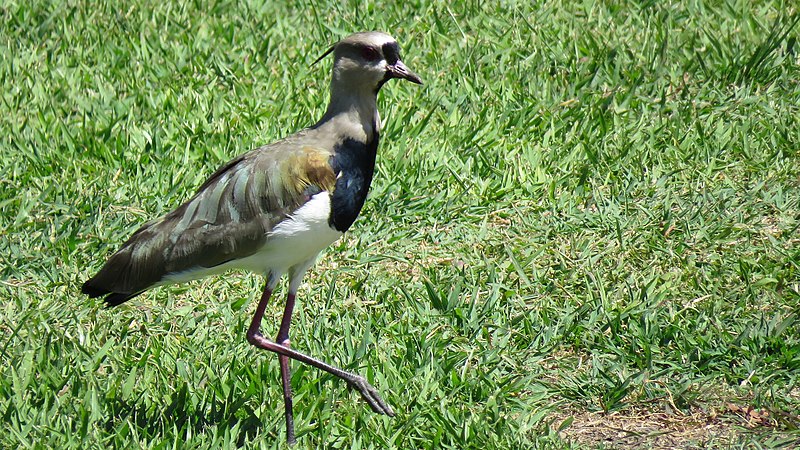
<point>274,209</point>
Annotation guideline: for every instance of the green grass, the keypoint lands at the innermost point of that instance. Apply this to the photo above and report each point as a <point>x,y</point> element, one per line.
<point>586,221</point>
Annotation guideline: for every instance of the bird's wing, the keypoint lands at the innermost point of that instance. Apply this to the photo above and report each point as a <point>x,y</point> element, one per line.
<point>228,218</point>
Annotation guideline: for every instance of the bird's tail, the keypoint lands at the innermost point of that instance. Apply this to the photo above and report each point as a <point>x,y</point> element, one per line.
<point>94,289</point>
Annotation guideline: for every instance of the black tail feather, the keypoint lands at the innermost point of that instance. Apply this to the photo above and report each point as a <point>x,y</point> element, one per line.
<point>117,298</point>
<point>111,298</point>
<point>92,290</point>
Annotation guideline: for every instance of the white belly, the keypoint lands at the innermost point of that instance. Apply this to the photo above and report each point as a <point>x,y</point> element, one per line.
<point>295,241</point>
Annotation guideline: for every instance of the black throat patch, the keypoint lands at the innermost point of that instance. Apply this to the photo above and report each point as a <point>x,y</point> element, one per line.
<point>354,165</point>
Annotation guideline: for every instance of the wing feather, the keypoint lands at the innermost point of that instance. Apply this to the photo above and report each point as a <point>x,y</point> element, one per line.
<point>229,217</point>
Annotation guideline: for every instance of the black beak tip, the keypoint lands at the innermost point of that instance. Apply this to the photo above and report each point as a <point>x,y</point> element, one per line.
<point>414,78</point>
<point>399,70</point>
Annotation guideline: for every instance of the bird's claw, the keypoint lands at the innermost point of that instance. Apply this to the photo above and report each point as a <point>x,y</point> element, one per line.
<point>370,395</point>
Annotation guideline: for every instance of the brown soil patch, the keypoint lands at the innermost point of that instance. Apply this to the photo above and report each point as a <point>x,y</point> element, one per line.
<point>639,427</point>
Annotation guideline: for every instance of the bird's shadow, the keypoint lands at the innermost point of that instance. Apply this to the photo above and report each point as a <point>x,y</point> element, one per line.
<point>153,419</point>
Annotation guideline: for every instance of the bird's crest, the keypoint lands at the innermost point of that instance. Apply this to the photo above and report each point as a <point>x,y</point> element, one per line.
<point>327,52</point>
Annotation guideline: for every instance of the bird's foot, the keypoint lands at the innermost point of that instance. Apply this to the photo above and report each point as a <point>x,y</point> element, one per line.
<point>370,395</point>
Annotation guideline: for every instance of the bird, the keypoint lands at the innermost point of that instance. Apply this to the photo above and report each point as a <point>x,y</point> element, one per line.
<point>271,211</point>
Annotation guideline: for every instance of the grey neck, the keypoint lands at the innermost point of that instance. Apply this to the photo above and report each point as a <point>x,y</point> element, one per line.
<point>352,112</point>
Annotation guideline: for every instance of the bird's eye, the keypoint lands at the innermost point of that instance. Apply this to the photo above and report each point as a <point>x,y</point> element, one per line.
<point>370,54</point>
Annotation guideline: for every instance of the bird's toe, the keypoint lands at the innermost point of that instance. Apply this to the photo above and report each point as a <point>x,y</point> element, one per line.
<point>371,396</point>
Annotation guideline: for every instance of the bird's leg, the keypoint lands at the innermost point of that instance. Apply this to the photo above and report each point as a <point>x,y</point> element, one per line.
<point>368,392</point>
<point>283,340</point>
<point>255,324</point>
<point>286,370</point>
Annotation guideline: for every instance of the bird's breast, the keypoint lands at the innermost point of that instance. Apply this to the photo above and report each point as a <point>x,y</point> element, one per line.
<point>354,164</point>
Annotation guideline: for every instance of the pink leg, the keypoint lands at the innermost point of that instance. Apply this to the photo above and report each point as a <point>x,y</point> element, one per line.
<point>286,370</point>
<point>284,351</point>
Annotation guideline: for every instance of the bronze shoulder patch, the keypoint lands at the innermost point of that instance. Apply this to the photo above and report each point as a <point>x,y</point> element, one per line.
<point>308,167</point>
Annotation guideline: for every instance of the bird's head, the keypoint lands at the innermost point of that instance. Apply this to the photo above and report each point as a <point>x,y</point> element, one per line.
<point>368,59</point>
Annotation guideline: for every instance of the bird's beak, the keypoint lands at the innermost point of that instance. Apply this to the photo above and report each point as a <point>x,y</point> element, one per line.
<point>399,70</point>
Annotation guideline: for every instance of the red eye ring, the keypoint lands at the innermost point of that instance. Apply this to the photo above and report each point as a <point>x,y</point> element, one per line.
<point>370,54</point>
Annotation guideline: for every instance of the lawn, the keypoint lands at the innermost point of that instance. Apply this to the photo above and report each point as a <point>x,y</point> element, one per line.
<point>584,230</point>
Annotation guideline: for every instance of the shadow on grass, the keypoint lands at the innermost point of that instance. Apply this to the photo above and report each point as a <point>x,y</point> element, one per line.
<point>154,420</point>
